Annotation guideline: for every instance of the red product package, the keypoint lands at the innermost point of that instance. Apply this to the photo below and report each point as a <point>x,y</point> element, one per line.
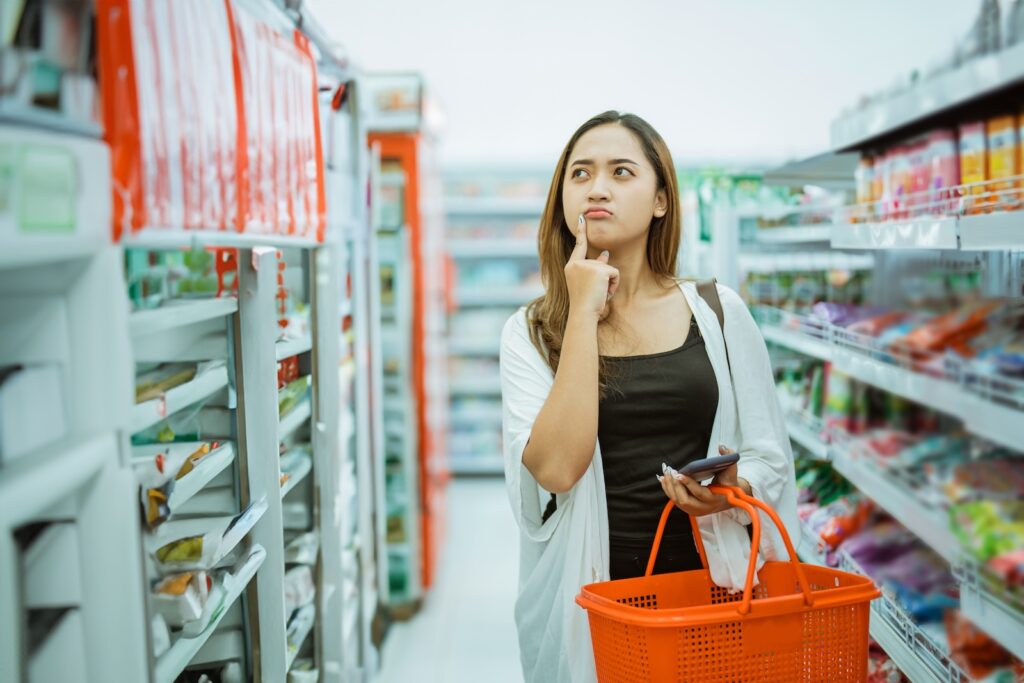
<point>878,324</point>
<point>841,527</point>
<point>975,651</point>
<point>1009,567</point>
<point>952,329</point>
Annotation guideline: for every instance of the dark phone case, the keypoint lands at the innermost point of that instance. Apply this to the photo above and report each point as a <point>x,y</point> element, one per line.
<point>702,469</point>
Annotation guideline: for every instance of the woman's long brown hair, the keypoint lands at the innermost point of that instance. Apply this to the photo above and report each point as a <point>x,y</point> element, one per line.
<point>549,314</point>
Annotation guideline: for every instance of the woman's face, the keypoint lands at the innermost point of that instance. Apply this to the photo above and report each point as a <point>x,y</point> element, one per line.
<point>610,181</point>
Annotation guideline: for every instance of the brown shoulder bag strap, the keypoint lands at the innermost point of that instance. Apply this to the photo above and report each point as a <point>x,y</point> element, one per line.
<point>708,290</point>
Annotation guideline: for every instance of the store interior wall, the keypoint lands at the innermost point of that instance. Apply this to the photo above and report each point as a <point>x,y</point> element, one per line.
<point>742,80</point>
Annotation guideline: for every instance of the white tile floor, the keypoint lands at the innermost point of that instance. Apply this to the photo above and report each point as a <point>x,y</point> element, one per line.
<point>465,632</point>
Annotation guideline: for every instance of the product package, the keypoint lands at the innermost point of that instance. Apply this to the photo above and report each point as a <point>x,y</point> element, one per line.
<point>945,170</point>
<point>973,162</point>
<point>1003,161</point>
<point>180,598</point>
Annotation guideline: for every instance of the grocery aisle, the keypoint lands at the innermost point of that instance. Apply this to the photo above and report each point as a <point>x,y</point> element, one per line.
<point>465,631</point>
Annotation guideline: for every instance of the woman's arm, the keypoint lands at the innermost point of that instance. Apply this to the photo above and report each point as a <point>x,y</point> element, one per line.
<point>564,436</point>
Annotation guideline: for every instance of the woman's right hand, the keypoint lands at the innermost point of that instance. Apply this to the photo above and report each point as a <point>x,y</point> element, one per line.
<point>591,282</point>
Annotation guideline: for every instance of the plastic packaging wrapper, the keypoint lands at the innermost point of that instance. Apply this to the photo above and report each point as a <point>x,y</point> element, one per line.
<point>212,119</point>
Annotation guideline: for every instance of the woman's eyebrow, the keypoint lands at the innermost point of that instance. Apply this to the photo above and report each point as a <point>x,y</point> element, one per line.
<point>612,162</point>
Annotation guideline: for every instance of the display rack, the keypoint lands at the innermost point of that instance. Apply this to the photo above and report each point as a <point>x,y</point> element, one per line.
<point>493,218</point>
<point>71,587</point>
<point>973,227</point>
<point>78,562</point>
<point>962,391</point>
<point>979,80</point>
<point>915,651</point>
<point>409,271</point>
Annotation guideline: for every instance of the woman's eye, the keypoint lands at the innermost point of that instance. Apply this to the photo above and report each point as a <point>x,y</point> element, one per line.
<point>579,173</point>
<point>625,170</point>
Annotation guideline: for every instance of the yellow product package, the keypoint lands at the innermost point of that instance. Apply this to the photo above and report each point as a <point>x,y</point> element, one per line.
<point>1003,160</point>
<point>973,163</point>
<point>185,550</point>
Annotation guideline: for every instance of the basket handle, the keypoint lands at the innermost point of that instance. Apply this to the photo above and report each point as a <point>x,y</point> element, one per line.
<point>735,496</point>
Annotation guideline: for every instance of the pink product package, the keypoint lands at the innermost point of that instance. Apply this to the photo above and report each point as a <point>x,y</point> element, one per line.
<point>944,157</point>
<point>920,177</point>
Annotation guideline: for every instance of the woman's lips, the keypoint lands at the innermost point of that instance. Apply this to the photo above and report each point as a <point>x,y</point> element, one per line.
<point>598,213</point>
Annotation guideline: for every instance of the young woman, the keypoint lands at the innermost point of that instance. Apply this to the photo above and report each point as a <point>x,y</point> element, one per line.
<point>613,379</point>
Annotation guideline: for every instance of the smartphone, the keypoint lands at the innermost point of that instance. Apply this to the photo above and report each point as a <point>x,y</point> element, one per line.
<point>699,470</point>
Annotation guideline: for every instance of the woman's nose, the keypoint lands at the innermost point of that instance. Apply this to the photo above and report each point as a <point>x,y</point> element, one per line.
<point>598,189</point>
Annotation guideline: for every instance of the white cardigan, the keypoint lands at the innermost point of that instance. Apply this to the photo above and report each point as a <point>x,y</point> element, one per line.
<point>571,548</point>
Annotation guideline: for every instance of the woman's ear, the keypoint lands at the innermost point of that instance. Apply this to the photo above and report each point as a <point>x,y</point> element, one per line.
<point>660,204</point>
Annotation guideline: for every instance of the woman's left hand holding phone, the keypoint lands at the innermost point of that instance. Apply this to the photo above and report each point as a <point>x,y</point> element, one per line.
<point>697,500</point>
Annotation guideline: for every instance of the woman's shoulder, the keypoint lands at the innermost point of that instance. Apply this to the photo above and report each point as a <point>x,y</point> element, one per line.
<point>515,335</point>
<point>515,326</point>
<point>727,295</point>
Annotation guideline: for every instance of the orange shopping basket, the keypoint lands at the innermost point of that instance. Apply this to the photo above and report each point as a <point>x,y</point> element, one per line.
<point>801,623</point>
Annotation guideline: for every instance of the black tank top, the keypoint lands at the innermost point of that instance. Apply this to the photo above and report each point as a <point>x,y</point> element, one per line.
<point>661,408</point>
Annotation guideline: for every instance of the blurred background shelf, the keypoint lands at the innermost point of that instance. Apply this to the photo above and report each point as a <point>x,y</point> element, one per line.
<point>478,465</point>
<point>205,384</point>
<point>180,313</point>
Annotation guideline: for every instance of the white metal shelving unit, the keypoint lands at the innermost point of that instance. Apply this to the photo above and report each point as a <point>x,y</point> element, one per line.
<point>914,651</point>
<point>486,231</point>
<point>400,463</point>
<point>965,396</point>
<point>70,532</point>
<point>965,231</point>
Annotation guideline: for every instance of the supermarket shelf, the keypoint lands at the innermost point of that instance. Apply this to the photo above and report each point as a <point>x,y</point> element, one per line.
<point>476,465</point>
<point>351,620</point>
<point>807,345</point>
<point>34,482</point>
<point>302,465</point>
<point>933,392</point>
<point>930,232</point>
<point>475,387</point>
<point>997,230</point>
<point>179,313</point>
<point>294,419</point>
<point>981,415</point>
<point>511,207</point>
<point>800,432</point>
<point>202,386</point>
<point>910,649</point>
<point>931,526</point>
<point>903,654</point>
<point>474,347</point>
<point>497,296</point>
<point>293,346</point>
<point>164,238</point>
<point>177,529</point>
<point>224,645</point>
<point>964,85</point>
<point>804,261</point>
<point>215,462</point>
<point>492,248</point>
<point>801,234</point>
<point>476,416</point>
<point>830,170</point>
<point>307,614</point>
<point>990,613</point>
<point>181,653</point>
<point>402,549</point>
<point>990,231</point>
<point>45,119</point>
